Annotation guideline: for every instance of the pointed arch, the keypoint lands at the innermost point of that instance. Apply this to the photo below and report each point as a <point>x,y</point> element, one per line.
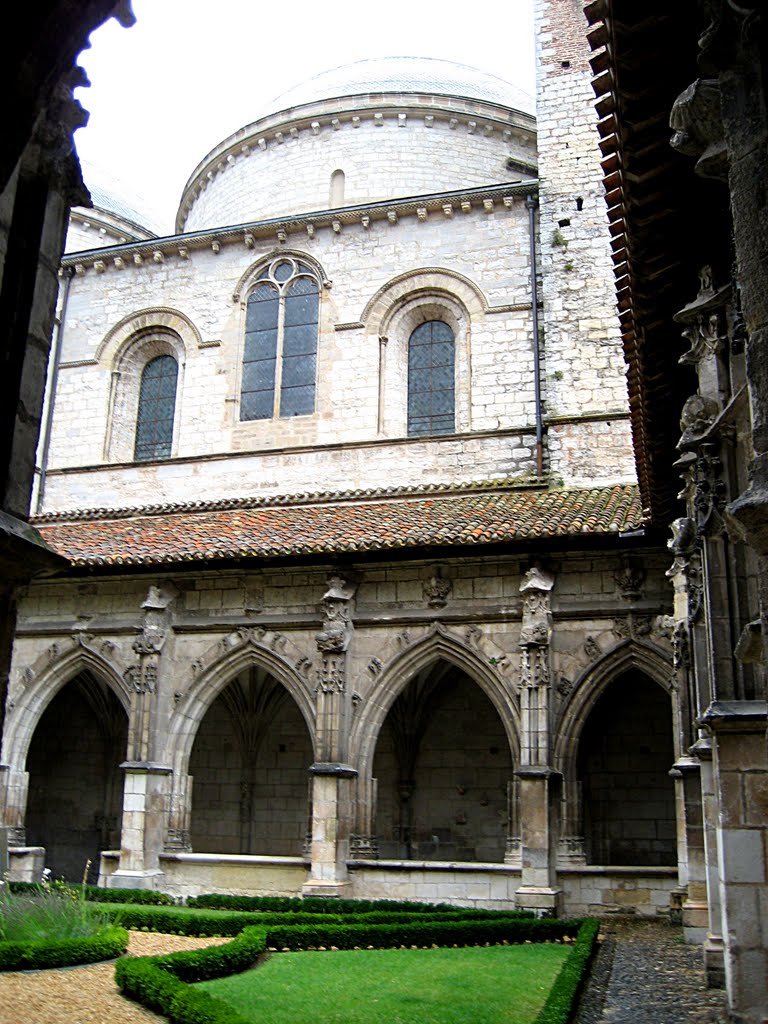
<point>644,657</point>
<point>222,663</point>
<point>438,644</point>
<point>45,683</point>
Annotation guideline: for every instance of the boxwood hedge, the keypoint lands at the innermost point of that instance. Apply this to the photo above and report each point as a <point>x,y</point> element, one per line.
<point>25,956</point>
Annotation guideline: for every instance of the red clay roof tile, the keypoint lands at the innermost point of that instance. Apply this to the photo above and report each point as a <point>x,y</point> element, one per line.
<point>316,524</point>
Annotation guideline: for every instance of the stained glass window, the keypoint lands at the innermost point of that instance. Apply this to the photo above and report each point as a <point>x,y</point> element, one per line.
<point>280,356</point>
<point>431,399</point>
<point>157,404</point>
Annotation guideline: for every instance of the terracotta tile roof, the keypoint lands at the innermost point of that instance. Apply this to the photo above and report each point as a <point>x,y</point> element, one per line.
<point>306,524</point>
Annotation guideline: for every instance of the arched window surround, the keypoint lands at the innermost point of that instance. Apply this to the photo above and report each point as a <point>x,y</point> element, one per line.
<point>307,267</point>
<point>135,355</point>
<point>409,314</point>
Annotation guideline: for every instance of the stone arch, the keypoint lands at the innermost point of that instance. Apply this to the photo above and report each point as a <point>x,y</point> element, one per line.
<point>125,351</point>
<point>592,683</point>
<point>648,663</point>
<point>438,647</point>
<point>437,644</point>
<point>52,670</point>
<point>392,315</point>
<point>217,667</point>
<point>66,737</point>
<point>425,281</point>
<point>112,348</point>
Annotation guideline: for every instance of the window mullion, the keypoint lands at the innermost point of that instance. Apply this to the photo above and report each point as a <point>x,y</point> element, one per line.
<point>279,354</point>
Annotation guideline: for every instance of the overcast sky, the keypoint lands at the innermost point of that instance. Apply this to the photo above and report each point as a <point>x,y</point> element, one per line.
<point>191,72</point>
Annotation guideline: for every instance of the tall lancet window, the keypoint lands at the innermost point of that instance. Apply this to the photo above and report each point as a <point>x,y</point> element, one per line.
<point>431,379</point>
<point>280,356</point>
<point>157,405</point>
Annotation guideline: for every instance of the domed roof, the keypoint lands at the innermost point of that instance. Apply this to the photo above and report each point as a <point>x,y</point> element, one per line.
<point>407,74</point>
<point>110,203</point>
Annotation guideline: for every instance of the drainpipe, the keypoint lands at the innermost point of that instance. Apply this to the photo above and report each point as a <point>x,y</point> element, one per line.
<point>530,205</point>
<point>53,378</point>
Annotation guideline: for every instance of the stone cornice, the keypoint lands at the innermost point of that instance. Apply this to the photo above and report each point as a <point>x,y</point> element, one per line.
<point>474,116</point>
<point>488,199</point>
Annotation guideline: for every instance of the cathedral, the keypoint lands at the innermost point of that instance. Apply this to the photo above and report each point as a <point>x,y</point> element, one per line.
<point>353,498</point>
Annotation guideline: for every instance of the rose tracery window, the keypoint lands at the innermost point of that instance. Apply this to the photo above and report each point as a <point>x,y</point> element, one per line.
<point>280,355</point>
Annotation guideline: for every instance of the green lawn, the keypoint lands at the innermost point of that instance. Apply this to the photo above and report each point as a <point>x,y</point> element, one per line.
<point>487,985</point>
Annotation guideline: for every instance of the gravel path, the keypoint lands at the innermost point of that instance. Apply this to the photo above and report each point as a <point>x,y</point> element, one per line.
<point>85,995</point>
<point>645,974</point>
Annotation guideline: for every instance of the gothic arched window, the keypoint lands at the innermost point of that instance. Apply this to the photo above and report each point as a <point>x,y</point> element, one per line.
<point>157,404</point>
<point>431,383</point>
<point>280,356</point>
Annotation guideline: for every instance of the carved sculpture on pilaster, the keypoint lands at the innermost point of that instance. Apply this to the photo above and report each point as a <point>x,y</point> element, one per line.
<point>535,636</point>
<point>536,629</point>
<point>334,639</point>
<point>142,676</point>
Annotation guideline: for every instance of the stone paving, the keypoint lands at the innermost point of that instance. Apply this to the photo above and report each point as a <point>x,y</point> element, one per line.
<point>645,974</point>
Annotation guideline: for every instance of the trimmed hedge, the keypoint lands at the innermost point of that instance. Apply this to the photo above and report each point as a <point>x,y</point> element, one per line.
<point>175,920</point>
<point>161,983</point>
<point>96,895</point>
<point>25,956</point>
<point>568,985</point>
<point>313,904</point>
<point>437,932</point>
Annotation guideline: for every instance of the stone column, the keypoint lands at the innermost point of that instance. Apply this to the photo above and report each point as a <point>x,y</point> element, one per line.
<point>332,777</point>
<point>539,784</point>
<point>14,785</point>
<point>713,942</point>
<point>695,909</point>
<point>740,764</point>
<point>145,811</point>
<point>147,785</point>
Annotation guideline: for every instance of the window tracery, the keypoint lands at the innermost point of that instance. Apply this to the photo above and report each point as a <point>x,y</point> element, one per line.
<point>280,353</point>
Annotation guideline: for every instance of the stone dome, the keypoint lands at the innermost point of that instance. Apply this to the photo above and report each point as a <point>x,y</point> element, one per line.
<point>111,220</point>
<point>409,75</point>
<point>464,128</point>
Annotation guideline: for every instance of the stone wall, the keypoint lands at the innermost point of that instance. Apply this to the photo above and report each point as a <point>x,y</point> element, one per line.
<point>422,145</point>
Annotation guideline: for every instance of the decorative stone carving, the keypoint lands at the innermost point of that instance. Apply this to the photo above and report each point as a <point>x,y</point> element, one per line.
<point>304,666</point>
<point>437,590</point>
<point>334,639</point>
<point>592,648</point>
<point>473,635</point>
<point>336,610</point>
<point>697,416</point>
<point>375,667</point>
<point>537,617</point>
<point>698,128</point>
<point>629,579</point>
<point>564,686</point>
<point>536,628</point>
